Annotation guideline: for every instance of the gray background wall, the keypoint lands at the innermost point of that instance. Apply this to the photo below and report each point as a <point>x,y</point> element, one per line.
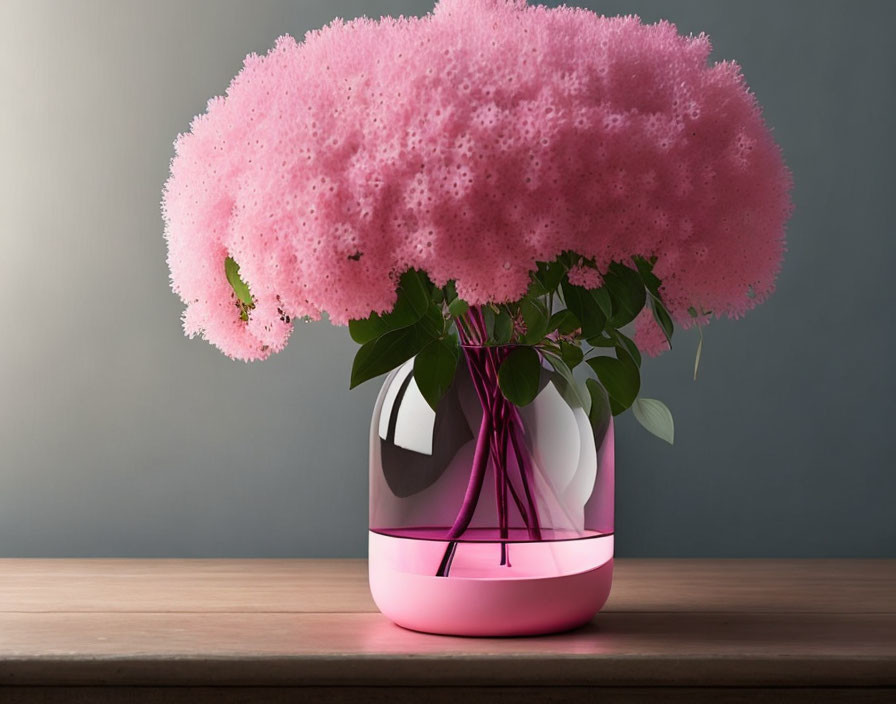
<point>120,437</point>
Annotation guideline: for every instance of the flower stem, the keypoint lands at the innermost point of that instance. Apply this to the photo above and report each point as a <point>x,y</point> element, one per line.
<point>524,469</point>
<point>500,431</point>
<point>480,384</point>
<point>474,486</point>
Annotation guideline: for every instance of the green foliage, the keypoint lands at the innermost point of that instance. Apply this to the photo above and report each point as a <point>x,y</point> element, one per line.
<point>432,322</point>
<point>569,387</point>
<point>601,341</point>
<point>502,328</point>
<point>599,412</point>
<point>652,285</point>
<point>376,325</point>
<point>604,302</point>
<point>458,307</point>
<point>240,288</point>
<point>412,302</point>
<point>627,294</point>
<point>564,322</point>
<point>571,354</point>
<point>550,274</point>
<point>536,289</point>
<point>621,379</point>
<point>627,345</point>
<point>535,317</point>
<point>555,321</point>
<point>584,306</point>
<point>655,417</point>
<point>393,338</point>
<point>648,278</point>
<point>519,376</point>
<point>415,288</point>
<point>434,368</point>
<point>232,272</point>
<point>663,319</point>
<point>386,352</point>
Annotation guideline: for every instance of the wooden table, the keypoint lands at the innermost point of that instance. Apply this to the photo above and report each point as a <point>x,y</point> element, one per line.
<point>275,630</point>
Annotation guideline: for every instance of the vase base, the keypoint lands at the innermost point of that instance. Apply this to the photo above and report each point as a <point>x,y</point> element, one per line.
<point>486,606</point>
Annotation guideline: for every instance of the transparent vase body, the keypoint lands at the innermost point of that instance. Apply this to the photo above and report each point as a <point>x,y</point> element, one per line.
<point>487,518</point>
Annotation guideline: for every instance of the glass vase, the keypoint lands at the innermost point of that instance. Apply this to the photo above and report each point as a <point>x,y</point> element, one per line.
<point>487,518</point>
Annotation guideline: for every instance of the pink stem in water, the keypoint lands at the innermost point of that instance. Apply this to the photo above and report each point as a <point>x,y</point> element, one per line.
<point>525,469</point>
<point>484,398</point>
<point>474,486</point>
<point>480,464</point>
<point>499,429</point>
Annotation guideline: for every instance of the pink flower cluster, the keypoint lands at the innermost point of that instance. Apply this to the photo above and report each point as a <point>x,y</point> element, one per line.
<point>470,143</point>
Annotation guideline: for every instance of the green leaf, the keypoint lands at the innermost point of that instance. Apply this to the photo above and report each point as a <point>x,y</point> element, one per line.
<point>450,292</point>
<point>623,355</point>
<point>372,327</point>
<point>600,410</point>
<point>413,301</point>
<point>432,323</point>
<point>548,345</point>
<point>584,306</point>
<point>569,259</point>
<point>627,293</point>
<point>240,288</point>
<point>519,375</point>
<point>628,345</point>
<point>602,296</point>
<point>415,288</point>
<point>535,316</point>
<point>663,319</point>
<point>655,417</point>
<point>601,341</point>
<point>648,278</point>
<point>567,379</point>
<point>365,330</point>
<point>488,319</point>
<point>550,274</point>
<point>458,307</point>
<point>564,322</point>
<point>387,352</point>
<point>503,328</point>
<point>572,354</point>
<point>434,368</point>
<point>536,288</point>
<point>621,379</point>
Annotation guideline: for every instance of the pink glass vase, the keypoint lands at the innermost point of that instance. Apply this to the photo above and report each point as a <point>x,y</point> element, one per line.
<point>486,518</point>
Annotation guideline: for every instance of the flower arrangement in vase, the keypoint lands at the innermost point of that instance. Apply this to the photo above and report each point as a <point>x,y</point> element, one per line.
<point>490,197</point>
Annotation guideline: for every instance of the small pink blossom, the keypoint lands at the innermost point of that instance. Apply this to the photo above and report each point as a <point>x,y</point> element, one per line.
<point>585,276</point>
<point>649,336</point>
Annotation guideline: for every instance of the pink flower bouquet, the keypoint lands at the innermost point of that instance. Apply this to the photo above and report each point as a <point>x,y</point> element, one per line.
<point>493,175</point>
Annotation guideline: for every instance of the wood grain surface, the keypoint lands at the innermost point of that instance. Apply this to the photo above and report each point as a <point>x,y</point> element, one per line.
<point>776,628</point>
